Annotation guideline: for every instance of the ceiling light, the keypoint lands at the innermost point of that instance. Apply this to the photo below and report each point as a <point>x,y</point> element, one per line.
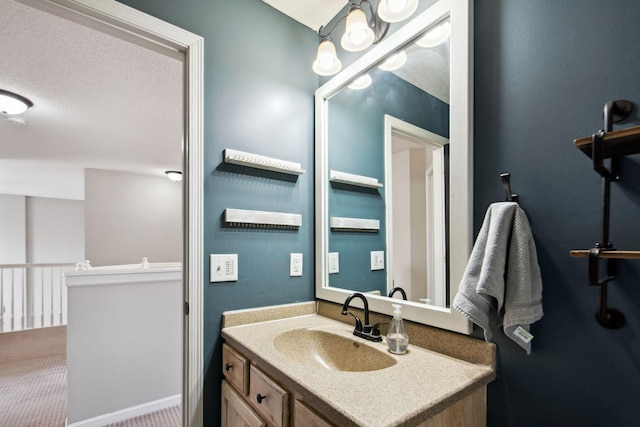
<point>174,175</point>
<point>362,82</point>
<point>326,63</point>
<point>394,62</point>
<point>11,103</point>
<point>436,35</point>
<point>361,30</point>
<point>396,10</point>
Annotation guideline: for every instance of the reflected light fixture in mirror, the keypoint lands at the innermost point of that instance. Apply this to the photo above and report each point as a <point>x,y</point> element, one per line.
<point>436,36</point>
<point>12,103</point>
<point>361,30</point>
<point>362,82</point>
<point>394,62</point>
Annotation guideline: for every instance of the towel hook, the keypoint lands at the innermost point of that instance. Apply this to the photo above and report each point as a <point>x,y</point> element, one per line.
<point>511,197</point>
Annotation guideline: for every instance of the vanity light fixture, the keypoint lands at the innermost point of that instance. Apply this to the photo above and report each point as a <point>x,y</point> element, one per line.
<point>436,35</point>
<point>396,10</point>
<point>174,175</point>
<point>362,82</point>
<point>394,62</point>
<point>361,30</point>
<point>12,103</point>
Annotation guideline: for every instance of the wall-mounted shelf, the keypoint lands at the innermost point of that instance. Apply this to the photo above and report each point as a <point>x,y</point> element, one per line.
<point>616,143</point>
<point>261,219</point>
<point>352,179</point>
<point>242,158</point>
<point>610,254</point>
<point>608,144</point>
<point>354,224</point>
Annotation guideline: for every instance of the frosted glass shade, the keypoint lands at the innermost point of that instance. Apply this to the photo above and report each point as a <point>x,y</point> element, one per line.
<point>327,62</point>
<point>396,10</point>
<point>11,103</point>
<point>394,62</point>
<point>436,35</point>
<point>357,36</point>
<point>362,82</point>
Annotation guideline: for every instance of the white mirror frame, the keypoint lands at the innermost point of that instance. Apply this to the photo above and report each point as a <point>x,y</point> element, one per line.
<point>139,28</point>
<point>461,158</point>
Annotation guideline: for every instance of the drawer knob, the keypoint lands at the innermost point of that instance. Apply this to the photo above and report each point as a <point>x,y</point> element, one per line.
<point>260,398</point>
<point>227,366</point>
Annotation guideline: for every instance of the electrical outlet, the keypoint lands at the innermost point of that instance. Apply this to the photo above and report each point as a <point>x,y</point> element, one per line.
<point>223,267</point>
<point>377,260</point>
<point>334,262</point>
<point>295,265</point>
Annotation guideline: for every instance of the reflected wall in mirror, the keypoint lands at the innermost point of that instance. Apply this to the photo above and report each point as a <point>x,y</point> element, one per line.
<point>424,244</point>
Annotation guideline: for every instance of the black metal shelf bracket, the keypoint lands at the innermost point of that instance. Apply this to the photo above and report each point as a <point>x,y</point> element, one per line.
<point>613,112</point>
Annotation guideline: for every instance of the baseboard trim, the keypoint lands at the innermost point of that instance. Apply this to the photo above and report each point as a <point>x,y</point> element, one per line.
<point>134,411</point>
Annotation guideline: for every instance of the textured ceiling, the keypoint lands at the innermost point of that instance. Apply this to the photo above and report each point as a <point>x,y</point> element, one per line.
<point>312,13</point>
<point>99,102</point>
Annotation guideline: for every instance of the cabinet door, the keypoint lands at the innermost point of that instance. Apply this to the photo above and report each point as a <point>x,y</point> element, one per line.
<point>306,417</point>
<point>235,411</point>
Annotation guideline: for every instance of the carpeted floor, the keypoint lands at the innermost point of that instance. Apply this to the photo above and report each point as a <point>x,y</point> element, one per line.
<point>33,382</point>
<point>33,377</point>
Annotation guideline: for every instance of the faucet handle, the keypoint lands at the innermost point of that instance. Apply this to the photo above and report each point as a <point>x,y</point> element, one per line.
<point>376,328</point>
<point>358,322</point>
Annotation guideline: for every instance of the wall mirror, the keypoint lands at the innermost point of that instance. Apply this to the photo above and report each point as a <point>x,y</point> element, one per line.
<point>394,169</point>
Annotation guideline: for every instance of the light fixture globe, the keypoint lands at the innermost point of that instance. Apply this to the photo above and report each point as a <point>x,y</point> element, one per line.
<point>12,103</point>
<point>358,35</point>
<point>394,62</point>
<point>396,10</point>
<point>435,36</point>
<point>327,62</point>
<point>362,82</point>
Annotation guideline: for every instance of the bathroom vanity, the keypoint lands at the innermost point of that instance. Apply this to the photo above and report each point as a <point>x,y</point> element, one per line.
<point>293,366</point>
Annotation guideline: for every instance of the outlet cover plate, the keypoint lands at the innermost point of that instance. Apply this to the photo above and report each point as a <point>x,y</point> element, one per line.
<point>295,265</point>
<point>377,260</point>
<point>334,262</point>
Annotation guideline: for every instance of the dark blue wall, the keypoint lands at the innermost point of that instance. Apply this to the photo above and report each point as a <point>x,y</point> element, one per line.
<point>258,94</point>
<point>543,72</point>
<point>356,145</point>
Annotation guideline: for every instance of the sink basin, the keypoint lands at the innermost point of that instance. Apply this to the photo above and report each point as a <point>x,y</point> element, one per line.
<point>317,348</point>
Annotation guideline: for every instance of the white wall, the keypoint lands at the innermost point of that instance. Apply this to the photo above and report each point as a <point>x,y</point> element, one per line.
<point>124,350</point>
<point>132,216</point>
<point>55,230</point>
<point>13,229</point>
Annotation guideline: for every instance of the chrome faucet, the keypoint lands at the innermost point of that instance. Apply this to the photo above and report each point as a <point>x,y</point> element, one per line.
<point>366,331</point>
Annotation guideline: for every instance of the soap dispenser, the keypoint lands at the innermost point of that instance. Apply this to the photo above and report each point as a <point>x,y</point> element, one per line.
<point>397,338</point>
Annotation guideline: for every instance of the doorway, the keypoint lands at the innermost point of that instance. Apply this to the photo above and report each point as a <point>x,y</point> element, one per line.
<point>125,23</point>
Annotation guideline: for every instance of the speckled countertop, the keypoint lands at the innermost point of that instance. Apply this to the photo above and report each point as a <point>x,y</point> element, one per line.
<point>421,383</point>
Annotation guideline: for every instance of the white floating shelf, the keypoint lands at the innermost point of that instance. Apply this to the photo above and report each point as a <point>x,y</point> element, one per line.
<point>261,219</point>
<point>352,179</point>
<point>262,162</point>
<point>354,224</point>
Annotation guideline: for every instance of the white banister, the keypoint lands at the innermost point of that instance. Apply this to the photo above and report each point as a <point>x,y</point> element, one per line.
<point>33,295</point>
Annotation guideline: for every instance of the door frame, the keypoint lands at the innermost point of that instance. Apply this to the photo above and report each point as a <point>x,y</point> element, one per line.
<point>129,24</point>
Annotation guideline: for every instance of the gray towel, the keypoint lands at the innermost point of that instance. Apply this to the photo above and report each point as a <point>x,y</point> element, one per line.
<point>502,283</point>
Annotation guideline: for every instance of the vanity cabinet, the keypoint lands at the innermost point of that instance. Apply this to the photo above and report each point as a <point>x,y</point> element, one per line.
<point>251,398</point>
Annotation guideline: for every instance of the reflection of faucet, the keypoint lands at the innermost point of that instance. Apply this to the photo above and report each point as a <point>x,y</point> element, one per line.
<point>368,332</point>
<point>398,289</point>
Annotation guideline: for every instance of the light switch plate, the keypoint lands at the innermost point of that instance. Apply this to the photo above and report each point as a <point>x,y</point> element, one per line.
<point>334,262</point>
<point>295,265</point>
<point>223,267</point>
<point>377,260</point>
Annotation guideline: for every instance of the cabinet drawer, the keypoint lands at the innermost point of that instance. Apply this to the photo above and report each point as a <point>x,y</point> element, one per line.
<point>235,368</point>
<point>303,416</point>
<point>268,399</point>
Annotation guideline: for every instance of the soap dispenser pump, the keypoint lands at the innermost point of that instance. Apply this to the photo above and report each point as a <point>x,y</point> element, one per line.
<point>397,338</point>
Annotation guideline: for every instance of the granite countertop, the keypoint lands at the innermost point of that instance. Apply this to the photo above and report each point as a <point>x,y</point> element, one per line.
<point>421,383</point>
